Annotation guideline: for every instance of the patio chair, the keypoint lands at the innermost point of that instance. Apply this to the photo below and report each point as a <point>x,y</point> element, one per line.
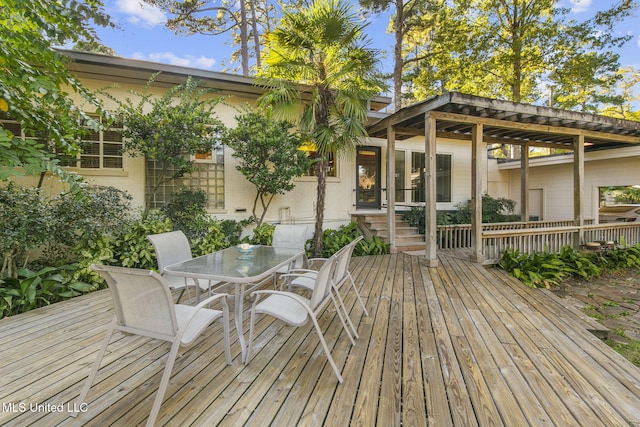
<point>144,306</point>
<point>305,279</point>
<point>290,236</point>
<point>170,248</point>
<point>296,310</point>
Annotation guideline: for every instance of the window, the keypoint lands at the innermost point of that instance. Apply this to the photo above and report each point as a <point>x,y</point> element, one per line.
<point>443,177</point>
<point>102,149</point>
<point>99,149</point>
<point>310,149</point>
<point>208,176</point>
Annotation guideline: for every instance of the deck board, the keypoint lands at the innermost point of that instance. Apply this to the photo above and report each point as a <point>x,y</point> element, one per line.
<point>455,345</point>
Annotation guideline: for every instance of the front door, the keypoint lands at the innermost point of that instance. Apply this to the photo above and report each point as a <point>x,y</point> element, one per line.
<point>368,178</point>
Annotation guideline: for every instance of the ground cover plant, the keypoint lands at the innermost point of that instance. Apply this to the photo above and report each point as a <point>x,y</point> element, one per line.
<point>48,245</point>
<point>544,269</point>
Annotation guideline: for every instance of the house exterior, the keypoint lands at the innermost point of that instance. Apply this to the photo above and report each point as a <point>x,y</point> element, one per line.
<point>357,183</point>
<point>391,161</point>
<point>483,122</point>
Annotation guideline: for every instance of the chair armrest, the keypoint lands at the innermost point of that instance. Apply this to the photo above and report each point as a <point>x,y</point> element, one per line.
<point>298,298</point>
<point>300,272</point>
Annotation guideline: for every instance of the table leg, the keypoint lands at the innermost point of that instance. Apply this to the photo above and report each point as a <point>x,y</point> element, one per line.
<point>238,309</point>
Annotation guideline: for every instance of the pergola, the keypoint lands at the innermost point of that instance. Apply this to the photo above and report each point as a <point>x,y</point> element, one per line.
<point>482,120</point>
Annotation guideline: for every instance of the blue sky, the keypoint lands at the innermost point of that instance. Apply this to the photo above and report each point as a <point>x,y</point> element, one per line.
<point>142,35</point>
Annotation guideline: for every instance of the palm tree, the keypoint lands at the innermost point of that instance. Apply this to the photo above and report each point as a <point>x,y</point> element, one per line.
<point>324,48</point>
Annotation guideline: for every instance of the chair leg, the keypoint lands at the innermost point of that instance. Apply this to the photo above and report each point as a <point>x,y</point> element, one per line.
<point>353,285</point>
<point>326,349</point>
<point>340,307</point>
<point>163,384</point>
<point>341,311</point>
<point>225,329</point>
<point>252,321</point>
<point>94,371</point>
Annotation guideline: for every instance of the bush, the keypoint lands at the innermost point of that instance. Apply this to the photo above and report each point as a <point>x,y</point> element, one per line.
<point>31,289</point>
<point>78,222</point>
<point>26,221</point>
<point>133,249</point>
<point>263,234</point>
<point>544,269</point>
<point>493,210</point>
<point>334,240</point>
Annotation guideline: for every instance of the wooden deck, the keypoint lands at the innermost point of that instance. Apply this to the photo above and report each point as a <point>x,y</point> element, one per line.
<point>456,345</point>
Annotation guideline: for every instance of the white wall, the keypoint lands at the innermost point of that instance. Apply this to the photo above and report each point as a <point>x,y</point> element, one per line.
<point>616,167</point>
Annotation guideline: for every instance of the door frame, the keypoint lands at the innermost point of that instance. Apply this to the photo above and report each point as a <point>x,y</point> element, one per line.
<point>377,203</point>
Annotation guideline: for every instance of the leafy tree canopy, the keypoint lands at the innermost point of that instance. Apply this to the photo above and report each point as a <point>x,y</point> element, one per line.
<point>324,47</point>
<point>170,128</point>
<point>36,84</point>
<point>511,49</point>
<point>268,154</point>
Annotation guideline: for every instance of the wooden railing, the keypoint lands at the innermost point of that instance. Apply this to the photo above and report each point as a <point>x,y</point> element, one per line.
<point>549,236</point>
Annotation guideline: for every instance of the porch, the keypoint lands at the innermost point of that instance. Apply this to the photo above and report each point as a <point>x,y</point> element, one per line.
<point>458,345</point>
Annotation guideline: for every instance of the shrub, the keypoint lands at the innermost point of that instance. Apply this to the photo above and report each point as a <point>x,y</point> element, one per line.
<point>133,249</point>
<point>26,221</point>
<point>493,210</point>
<point>33,289</point>
<point>334,240</point>
<point>263,234</point>
<point>79,221</point>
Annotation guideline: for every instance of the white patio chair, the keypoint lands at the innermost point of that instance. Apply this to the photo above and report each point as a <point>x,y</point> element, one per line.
<point>170,248</point>
<point>144,306</point>
<point>296,310</point>
<point>305,279</point>
<point>290,236</point>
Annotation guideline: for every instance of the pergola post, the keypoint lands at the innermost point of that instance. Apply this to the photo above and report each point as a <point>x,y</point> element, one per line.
<point>578,188</point>
<point>524,183</point>
<point>430,225</point>
<point>391,189</point>
<point>476,193</point>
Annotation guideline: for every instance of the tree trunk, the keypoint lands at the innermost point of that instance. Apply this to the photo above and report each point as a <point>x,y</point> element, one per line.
<point>244,38</point>
<point>398,62</point>
<point>321,172</point>
<point>256,34</point>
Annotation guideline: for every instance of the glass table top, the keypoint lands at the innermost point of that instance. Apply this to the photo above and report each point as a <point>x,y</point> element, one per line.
<point>236,265</point>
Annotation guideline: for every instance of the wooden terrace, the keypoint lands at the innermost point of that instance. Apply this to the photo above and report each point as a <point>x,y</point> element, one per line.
<point>455,345</point>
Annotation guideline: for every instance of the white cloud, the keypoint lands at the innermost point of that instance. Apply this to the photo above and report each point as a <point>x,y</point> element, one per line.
<point>201,62</point>
<point>638,41</point>
<point>580,5</point>
<point>141,13</point>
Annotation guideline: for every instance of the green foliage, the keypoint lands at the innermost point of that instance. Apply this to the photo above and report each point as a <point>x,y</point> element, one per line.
<point>170,128</point>
<point>231,231</point>
<point>133,249</point>
<point>416,218</point>
<point>35,84</point>
<point>324,47</point>
<point>493,210</point>
<point>212,240</point>
<point>268,156</point>
<point>29,289</point>
<point>26,221</point>
<point>263,234</point>
<point>187,213</point>
<point>511,49</point>
<point>545,269</point>
<point>78,220</point>
<point>628,195</point>
<point>334,240</point>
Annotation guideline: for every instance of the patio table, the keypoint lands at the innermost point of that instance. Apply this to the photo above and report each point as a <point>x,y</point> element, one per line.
<point>244,270</point>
